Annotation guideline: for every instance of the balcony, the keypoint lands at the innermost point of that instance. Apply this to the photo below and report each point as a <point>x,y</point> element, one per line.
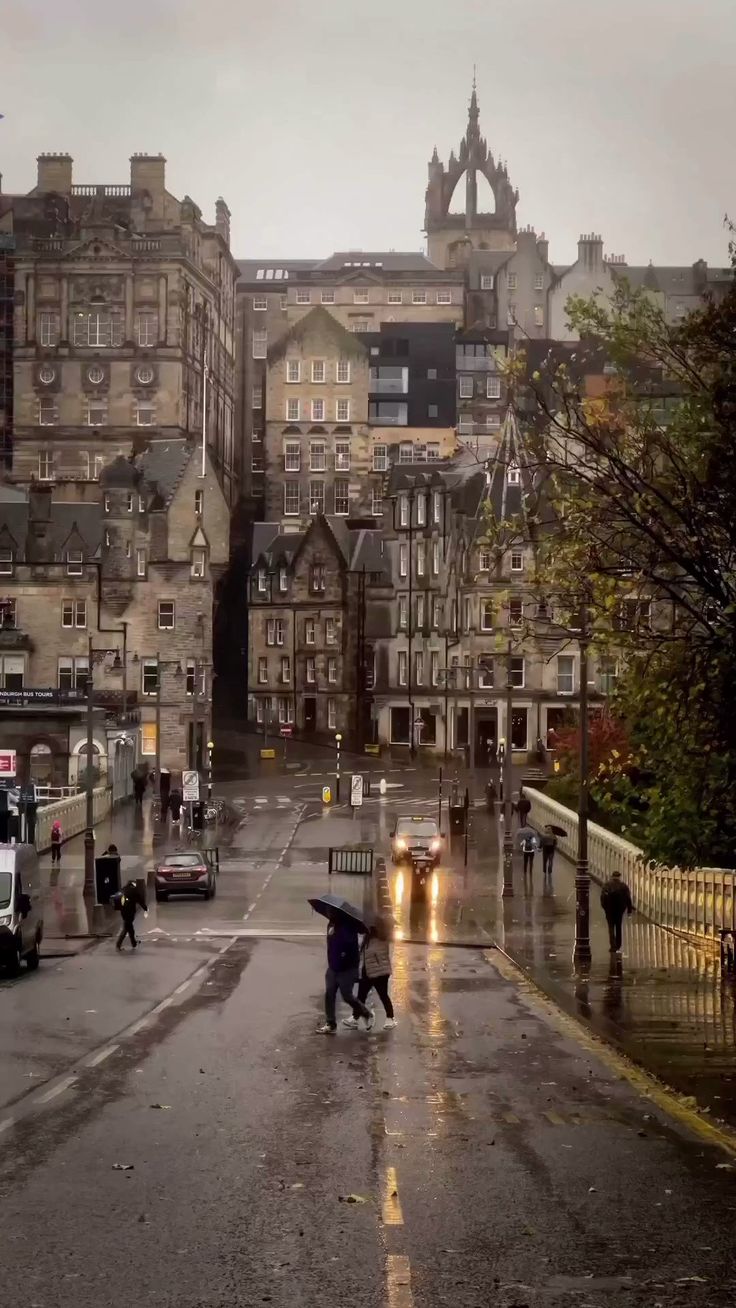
<point>389,381</point>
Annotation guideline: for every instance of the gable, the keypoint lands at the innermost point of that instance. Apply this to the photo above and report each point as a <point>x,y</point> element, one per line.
<point>94,248</point>
<point>318,323</point>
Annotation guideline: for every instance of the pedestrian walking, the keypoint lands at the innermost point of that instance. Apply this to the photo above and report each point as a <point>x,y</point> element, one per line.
<point>376,972</point>
<point>131,898</point>
<point>523,808</point>
<point>343,964</point>
<point>549,845</point>
<point>175,803</point>
<point>139,786</point>
<point>528,844</point>
<point>164,790</point>
<point>615,901</point>
<point>491,797</point>
<point>57,837</point>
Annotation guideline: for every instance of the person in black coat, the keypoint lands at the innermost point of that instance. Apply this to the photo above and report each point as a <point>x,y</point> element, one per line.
<point>131,899</point>
<point>615,901</point>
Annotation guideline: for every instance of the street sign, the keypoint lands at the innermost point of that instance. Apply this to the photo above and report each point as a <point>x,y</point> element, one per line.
<point>190,787</point>
<point>287,731</point>
<point>356,790</point>
<point>326,795</point>
<point>7,763</point>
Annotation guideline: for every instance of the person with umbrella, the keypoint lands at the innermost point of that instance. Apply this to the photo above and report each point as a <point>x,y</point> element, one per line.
<point>528,844</point>
<point>344,922</point>
<point>549,846</point>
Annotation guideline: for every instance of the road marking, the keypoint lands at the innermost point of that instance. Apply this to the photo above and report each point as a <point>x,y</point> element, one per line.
<point>555,1119</point>
<point>6,1124</point>
<point>398,1282</point>
<point>391,1206</point>
<point>183,985</point>
<point>511,1118</point>
<point>137,1026</point>
<point>102,1055</point>
<point>57,1090</point>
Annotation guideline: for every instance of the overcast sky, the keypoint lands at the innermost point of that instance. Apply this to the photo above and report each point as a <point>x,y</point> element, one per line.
<point>315,119</point>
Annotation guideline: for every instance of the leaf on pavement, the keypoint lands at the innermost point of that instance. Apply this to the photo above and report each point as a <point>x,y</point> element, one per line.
<point>160,1105</point>
<point>352,1199</point>
<point>123,1167</point>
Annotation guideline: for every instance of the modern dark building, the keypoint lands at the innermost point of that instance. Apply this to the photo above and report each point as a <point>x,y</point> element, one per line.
<point>412,375</point>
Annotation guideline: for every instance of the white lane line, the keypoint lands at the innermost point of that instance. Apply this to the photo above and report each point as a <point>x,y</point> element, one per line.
<point>183,986</point>
<point>57,1090</point>
<point>6,1124</point>
<point>101,1056</point>
<point>137,1026</point>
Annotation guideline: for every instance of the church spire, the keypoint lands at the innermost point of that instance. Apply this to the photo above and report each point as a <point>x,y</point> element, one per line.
<point>473,111</point>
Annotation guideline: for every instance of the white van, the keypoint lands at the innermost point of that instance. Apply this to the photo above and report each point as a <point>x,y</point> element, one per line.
<point>21,919</point>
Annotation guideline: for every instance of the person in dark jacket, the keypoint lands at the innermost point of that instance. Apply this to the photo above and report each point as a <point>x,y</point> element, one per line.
<point>175,803</point>
<point>343,963</point>
<point>491,797</point>
<point>523,808</point>
<point>57,836</point>
<point>131,899</point>
<point>549,845</point>
<point>376,972</point>
<point>615,901</point>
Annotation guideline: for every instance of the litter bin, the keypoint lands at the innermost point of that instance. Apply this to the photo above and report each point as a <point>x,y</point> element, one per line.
<point>198,816</point>
<point>107,877</point>
<point>457,820</point>
<point>366,785</point>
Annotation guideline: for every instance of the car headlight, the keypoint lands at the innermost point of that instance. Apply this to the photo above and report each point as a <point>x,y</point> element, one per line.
<point>434,846</point>
<point>400,844</point>
<point>5,920</point>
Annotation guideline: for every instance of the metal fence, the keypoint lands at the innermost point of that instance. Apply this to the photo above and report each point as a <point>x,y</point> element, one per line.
<point>358,861</point>
<point>701,902</point>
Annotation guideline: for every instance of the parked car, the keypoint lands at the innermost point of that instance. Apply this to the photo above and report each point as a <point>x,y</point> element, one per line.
<point>414,835</point>
<point>21,919</point>
<point>185,873</point>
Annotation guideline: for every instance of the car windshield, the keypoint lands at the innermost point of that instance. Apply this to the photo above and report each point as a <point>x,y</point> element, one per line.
<point>416,827</point>
<point>6,887</point>
<point>183,860</point>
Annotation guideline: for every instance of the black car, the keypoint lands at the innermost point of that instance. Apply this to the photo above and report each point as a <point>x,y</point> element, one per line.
<point>416,836</point>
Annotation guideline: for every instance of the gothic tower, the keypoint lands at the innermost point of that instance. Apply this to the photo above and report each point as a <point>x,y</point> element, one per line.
<point>450,236</point>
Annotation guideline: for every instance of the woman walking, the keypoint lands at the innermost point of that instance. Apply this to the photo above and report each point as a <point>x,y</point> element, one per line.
<point>56,838</point>
<point>376,972</point>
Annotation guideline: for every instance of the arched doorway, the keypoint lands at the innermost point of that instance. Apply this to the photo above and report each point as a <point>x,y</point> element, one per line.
<point>41,764</point>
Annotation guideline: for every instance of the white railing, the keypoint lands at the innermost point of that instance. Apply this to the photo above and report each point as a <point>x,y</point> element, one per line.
<point>72,814</point>
<point>701,902</point>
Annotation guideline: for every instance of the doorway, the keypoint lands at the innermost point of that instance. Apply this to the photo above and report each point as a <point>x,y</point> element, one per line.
<point>310,713</point>
<point>486,737</point>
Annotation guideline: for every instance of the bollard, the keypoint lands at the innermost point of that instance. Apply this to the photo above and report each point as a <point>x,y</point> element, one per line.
<point>382,786</point>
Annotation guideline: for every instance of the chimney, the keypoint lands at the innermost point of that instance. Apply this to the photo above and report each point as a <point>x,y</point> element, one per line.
<point>54,174</point>
<point>526,237</point>
<point>148,174</point>
<point>543,247</point>
<point>222,220</point>
<point>590,252</point>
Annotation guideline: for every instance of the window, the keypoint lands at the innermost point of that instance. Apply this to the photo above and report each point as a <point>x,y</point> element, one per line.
<point>380,458</point>
<point>517,561</point>
<point>517,673</point>
<point>196,684</point>
<point>436,613</point>
<point>406,452</point>
<point>420,558</point>
<point>74,613</point>
<point>140,562</point>
<point>376,503</point>
<point>96,412</point>
<point>311,671</point>
<point>72,673</point>
<point>96,374</point>
<point>361,325</point>
<point>285,669</point>
<point>419,297</point>
<point>257,398</point>
<point>317,578</point>
<point>291,498</point>
<point>419,668</point>
<point>403,611</point>
<point>263,670</point>
<point>304,296</point>
<point>260,303</point>
<point>166,617</point>
<point>328,297</point>
<point>331,715</point>
<point>283,302</point>
<point>343,371</point>
<point>98,329</point>
<point>74,563</point>
<point>484,560</point>
<point>435,558</point>
<point>486,281</point>
<point>538,315</point>
<point>48,413</point>
<point>48,328</point>
<point>342,411</point>
<point>317,456</point>
<point>493,388</point>
<point>144,413</point>
<point>539,281</point>
<point>403,510</point>
<point>565,674</point>
<point>283,580</point>
<point>635,614</point>
<point>511,315</point>
<point>318,410</point>
<point>285,709</point>
<point>318,370</point>
<point>485,672</point>
<point>486,615</point>
<point>607,675</point>
<point>420,611</point>
<point>467,388</point>
<point>198,503</point>
<point>513,475</point>
<point>270,631</point>
<point>421,511</point>
<point>432,410</point>
<point>259,710</point>
<point>330,631</point>
<point>361,297</point>
<point>342,456</point>
<point>6,563</point>
<point>396,297</point>
<point>444,297</point>
<point>292,410</point>
<point>8,614</point>
<point>46,374</point>
<point>293,370</point>
<point>332,671</point>
<point>403,560</point>
<point>292,457</point>
<point>199,562</point>
<point>146,328</point>
<point>310,631</point>
<point>516,611</point>
<point>260,344</point>
<point>148,738</point>
<point>342,496</point>
<point>511,281</point>
<point>403,667</point>
<point>436,507</point>
<point>144,375</point>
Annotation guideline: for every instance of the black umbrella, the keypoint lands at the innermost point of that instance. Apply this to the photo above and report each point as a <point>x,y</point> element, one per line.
<point>329,904</point>
<point>556,831</point>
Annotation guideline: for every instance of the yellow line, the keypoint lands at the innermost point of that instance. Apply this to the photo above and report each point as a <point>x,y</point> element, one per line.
<point>512,1119</point>
<point>555,1119</point>
<point>645,1084</point>
<point>398,1282</point>
<point>391,1207</point>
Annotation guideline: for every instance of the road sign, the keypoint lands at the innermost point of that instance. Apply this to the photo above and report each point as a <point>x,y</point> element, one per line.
<point>326,795</point>
<point>356,790</point>
<point>286,731</point>
<point>190,787</point>
<point>7,763</point>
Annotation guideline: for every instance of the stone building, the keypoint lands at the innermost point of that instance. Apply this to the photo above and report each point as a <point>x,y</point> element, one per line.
<point>131,563</point>
<point>124,298</point>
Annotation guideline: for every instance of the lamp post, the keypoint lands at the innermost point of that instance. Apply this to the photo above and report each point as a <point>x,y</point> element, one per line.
<point>338,741</point>
<point>89,783</point>
<point>508,843</point>
<point>582,952</point>
<point>162,663</point>
<point>210,747</point>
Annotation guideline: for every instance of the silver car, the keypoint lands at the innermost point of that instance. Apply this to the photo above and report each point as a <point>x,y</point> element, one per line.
<point>21,919</point>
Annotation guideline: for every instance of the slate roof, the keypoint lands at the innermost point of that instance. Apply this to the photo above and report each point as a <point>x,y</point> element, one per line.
<point>383,260</point>
<point>162,465</point>
<point>66,519</point>
<point>322,320</point>
<point>280,270</point>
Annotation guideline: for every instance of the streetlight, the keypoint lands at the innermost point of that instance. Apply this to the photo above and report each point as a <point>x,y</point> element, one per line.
<point>507,782</point>
<point>93,655</point>
<point>338,740</point>
<point>162,663</point>
<point>582,952</point>
<point>210,747</point>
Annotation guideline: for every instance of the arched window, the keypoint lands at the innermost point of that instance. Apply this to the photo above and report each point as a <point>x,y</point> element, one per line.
<point>41,764</point>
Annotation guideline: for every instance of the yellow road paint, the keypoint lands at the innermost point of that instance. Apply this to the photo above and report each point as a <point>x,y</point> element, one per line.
<point>645,1084</point>
<point>512,1119</point>
<point>398,1282</point>
<point>555,1119</point>
<point>391,1206</point>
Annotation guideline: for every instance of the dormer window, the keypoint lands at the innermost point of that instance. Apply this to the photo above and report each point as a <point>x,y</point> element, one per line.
<point>262,581</point>
<point>74,563</point>
<point>6,562</point>
<point>199,562</point>
<point>283,580</point>
<point>514,474</point>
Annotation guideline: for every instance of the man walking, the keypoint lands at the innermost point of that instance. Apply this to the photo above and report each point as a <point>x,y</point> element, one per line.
<point>615,901</point>
<point>343,964</point>
<point>523,808</point>
<point>131,899</point>
<point>549,845</point>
